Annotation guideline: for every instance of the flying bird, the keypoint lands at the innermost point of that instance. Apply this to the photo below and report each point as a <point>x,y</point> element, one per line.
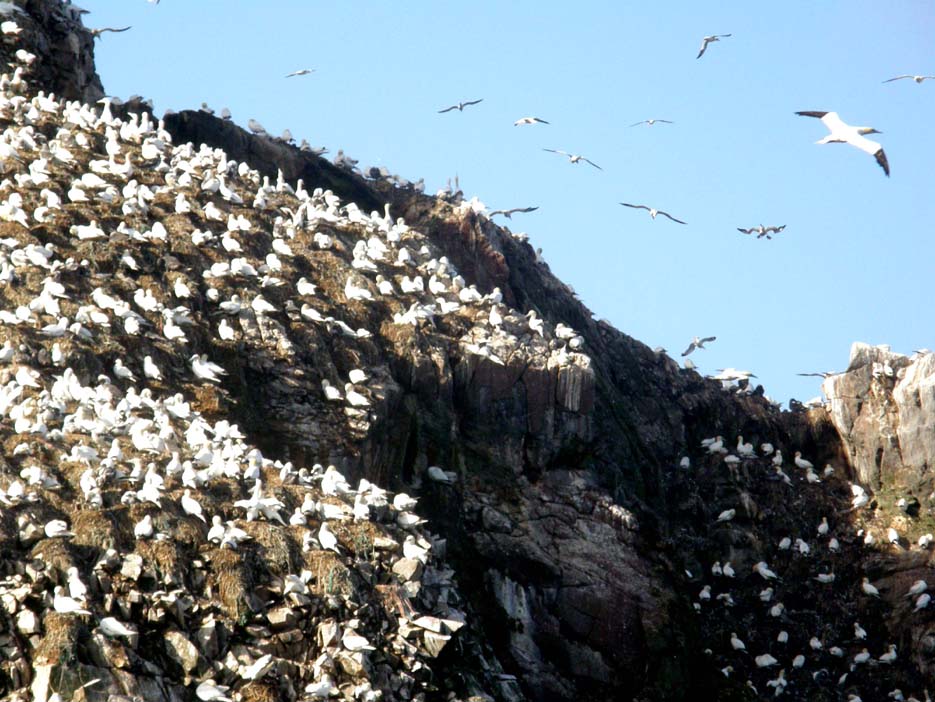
<point>698,343</point>
<point>652,211</point>
<point>651,122</point>
<point>509,213</point>
<point>300,72</point>
<point>460,106</point>
<point>842,133</point>
<point>762,231</point>
<point>574,158</point>
<point>96,33</point>
<point>827,374</point>
<point>529,120</point>
<point>917,79</point>
<point>708,40</point>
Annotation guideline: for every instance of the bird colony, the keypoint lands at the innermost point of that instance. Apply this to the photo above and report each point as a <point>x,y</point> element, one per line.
<point>143,533</point>
<point>795,585</point>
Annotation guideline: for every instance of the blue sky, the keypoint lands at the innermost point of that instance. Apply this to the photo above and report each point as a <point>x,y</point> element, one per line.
<point>854,263</point>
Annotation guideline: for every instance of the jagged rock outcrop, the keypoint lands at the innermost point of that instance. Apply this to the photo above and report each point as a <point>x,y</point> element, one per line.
<point>883,406</point>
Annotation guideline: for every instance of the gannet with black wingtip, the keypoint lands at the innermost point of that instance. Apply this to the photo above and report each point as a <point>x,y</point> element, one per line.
<point>707,40</point>
<point>762,231</point>
<point>300,72</point>
<point>460,106</point>
<point>651,122</point>
<point>529,120</point>
<point>652,211</point>
<point>843,133</point>
<point>509,213</point>
<point>574,158</point>
<point>698,343</point>
<point>917,79</point>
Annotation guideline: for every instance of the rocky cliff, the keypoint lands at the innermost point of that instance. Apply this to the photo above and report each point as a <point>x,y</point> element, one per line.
<point>192,312</point>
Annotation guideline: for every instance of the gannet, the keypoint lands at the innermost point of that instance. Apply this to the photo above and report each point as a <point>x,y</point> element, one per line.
<point>889,656</point>
<point>113,627</point>
<point>726,515</point>
<point>736,643</point>
<point>96,33</point>
<point>918,587</point>
<point>652,211</point>
<point>697,343</point>
<point>765,661</point>
<point>300,72</point>
<point>842,133</point>
<point>574,158</point>
<point>65,604</point>
<point>708,40</point>
<point>923,601</point>
<point>868,588</point>
<point>762,231</point>
<point>461,105</point>
<point>509,213</point>
<point>529,120</point>
<point>801,462</point>
<point>917,79</point>
<point>764,571</point>
<point>651,122</point>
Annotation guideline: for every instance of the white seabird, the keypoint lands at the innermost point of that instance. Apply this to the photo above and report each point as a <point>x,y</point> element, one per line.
<point>917,79</point>
<point>651,122</point>
<point>529,120</point>
<point>300,72</point>
<point>698,343</point>
<point>652,211</point>
<point>574,158</point>
<point>842,133</point>
<point>509,213</point>
<point>461,105</point>
<point>707,40</point>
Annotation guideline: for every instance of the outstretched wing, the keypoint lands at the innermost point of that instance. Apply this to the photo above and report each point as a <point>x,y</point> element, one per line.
<point>670,217</point>
<point>636,207</point>
<point>890,80</point>
<point>636,124</point>
<point>706,339</point>
<point>448,109</point>
<point>587,160</point>
<point>557,151</point>
<point>746,231</point>
<point>471,102</point>
<point>691,347</point>
<point>704,45</point>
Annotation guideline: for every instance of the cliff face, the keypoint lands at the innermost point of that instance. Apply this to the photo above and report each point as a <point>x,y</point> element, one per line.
<point>544,447</point>
<point>53,31</point>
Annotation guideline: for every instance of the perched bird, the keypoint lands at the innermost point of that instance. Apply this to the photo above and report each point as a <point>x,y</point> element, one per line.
<point>461,105</point>
<point>574,158</point>
<point>509,213</point>
<point>917,79</point>
<point>652,211</point>
<point>707,40</point>
<point>868,588</point>
<point>529,120</point>
<point>726,515</point>
<point>300,72</point>
<point>65,604</point>
<point>698,343</point>
<point>651,122</point>
<point>842,133</point>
